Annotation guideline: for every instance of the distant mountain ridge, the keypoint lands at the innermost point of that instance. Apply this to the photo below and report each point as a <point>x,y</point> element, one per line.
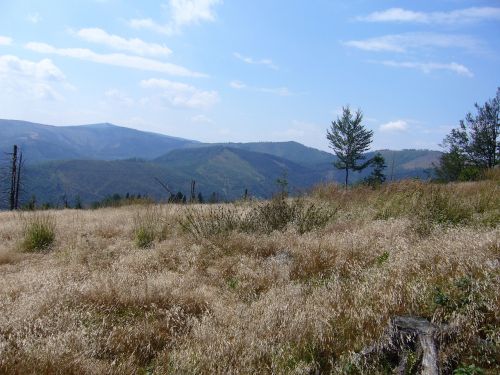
<point>290,150</point>
<point>94,142</point>
<point>95,161</point>
<point>226,171</point>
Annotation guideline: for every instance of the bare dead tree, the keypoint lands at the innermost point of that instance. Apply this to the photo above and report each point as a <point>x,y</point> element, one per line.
<point>11,182</point>
<point>13,177</point>
<point>164,186</point>
<point>193,196</point>
<point>18,181</point>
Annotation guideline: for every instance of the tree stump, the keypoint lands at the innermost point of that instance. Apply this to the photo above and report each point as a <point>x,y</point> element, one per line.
<point>426,333</point>
<point>406,334</point>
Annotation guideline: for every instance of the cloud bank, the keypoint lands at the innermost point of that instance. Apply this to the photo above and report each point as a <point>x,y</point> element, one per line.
<point>115,59</point>
<point>182,13</point>
<point>134,45</point>
<point>459,16</point>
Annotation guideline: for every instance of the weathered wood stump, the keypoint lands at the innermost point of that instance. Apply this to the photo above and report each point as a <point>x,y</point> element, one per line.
<point>405,334</point>
<point>426,334</point>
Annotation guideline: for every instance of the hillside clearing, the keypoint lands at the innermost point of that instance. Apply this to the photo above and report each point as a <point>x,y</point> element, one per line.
<point>284,287</point>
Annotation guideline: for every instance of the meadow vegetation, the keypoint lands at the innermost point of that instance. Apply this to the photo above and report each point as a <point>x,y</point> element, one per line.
<point>286,286</point>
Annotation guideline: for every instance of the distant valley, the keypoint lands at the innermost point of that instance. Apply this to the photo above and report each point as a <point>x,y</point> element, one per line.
<point>96,161</point>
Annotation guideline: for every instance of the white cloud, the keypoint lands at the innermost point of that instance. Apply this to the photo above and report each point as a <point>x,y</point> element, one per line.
<point>34,18</point>
<point>134,45</point>
<point>180,94</point>
<point>405,42</point>
<point>238,85</point>
<point>398,125</point>
<point>248,60</point>
<point>119,97</point>
<point>30,78</point>
<point>430,67</point>
<point>186,12</point>
<point>116,59</point>
<point>148,23</point>
<point>395,15</point>
<point>280,91</point>
<point>5,41</point>
<point>182,13</point>
<point>467,15</point>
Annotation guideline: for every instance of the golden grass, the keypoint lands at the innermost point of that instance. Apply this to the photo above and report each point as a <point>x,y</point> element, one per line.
<point>233,300</point>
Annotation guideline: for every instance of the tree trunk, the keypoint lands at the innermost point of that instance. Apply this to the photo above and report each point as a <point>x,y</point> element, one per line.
<point>18,181</point>
<point>346,177</point>
<point>12,197</point>
<point>193,196</point>
<point>495,135</point>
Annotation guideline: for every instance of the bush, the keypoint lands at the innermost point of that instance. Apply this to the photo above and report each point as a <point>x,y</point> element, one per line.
<point>146,227</point>
<point>279,213</point>
<point>214,221</point>
<point>439,207</point>
<point>144,237</point>
<point>274,215</point>
<point>426,205</point>
<point>311,217</point>
<point>39,232</point>
<point>468,370</point>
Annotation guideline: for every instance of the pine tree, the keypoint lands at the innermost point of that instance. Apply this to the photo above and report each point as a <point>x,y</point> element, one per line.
<point>78,202</point>
<point>474,145</point>
<point>349,140</point>
<point>377,177</point>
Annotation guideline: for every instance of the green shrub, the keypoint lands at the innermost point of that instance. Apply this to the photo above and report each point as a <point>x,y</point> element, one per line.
<point>279,213</point>
<point>311,217</point>
<point>438,206</point>
<point>468,370</point>
<point>383,258</point>
<point>144,237</point>
<point>456,297</point>
<point>213,221</point>
<point>441,208</point>
<point>39,232</point>
<point>426,205</point>
<point>147,227</point>
<point>266,217</point>
<point>272,215</point>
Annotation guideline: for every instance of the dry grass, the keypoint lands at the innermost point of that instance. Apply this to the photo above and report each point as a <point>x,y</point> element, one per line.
<point>213,294</point>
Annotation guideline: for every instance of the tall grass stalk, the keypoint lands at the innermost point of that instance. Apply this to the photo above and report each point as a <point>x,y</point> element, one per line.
<point>38,232</point>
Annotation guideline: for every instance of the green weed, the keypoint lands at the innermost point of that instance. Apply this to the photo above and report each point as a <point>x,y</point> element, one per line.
<point>39,232</point>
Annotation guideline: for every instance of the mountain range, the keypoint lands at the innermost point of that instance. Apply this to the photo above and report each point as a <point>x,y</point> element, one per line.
<point>96,161</point>
<point>89,142</point>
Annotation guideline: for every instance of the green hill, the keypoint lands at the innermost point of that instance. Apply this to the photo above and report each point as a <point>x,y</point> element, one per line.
<point>223,170</point>
<point>291,150</point>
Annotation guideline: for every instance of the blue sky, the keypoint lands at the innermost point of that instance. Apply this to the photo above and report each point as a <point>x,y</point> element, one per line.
<point>228,70</point>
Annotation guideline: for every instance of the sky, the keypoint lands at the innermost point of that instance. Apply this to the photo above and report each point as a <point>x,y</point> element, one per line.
<point>260,70</point>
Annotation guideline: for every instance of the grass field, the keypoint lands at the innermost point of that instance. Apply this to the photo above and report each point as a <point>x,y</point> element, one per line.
<point>284,287</point>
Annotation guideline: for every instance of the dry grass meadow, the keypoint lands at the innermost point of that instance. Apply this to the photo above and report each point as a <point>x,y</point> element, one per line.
<point>279,287</point>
